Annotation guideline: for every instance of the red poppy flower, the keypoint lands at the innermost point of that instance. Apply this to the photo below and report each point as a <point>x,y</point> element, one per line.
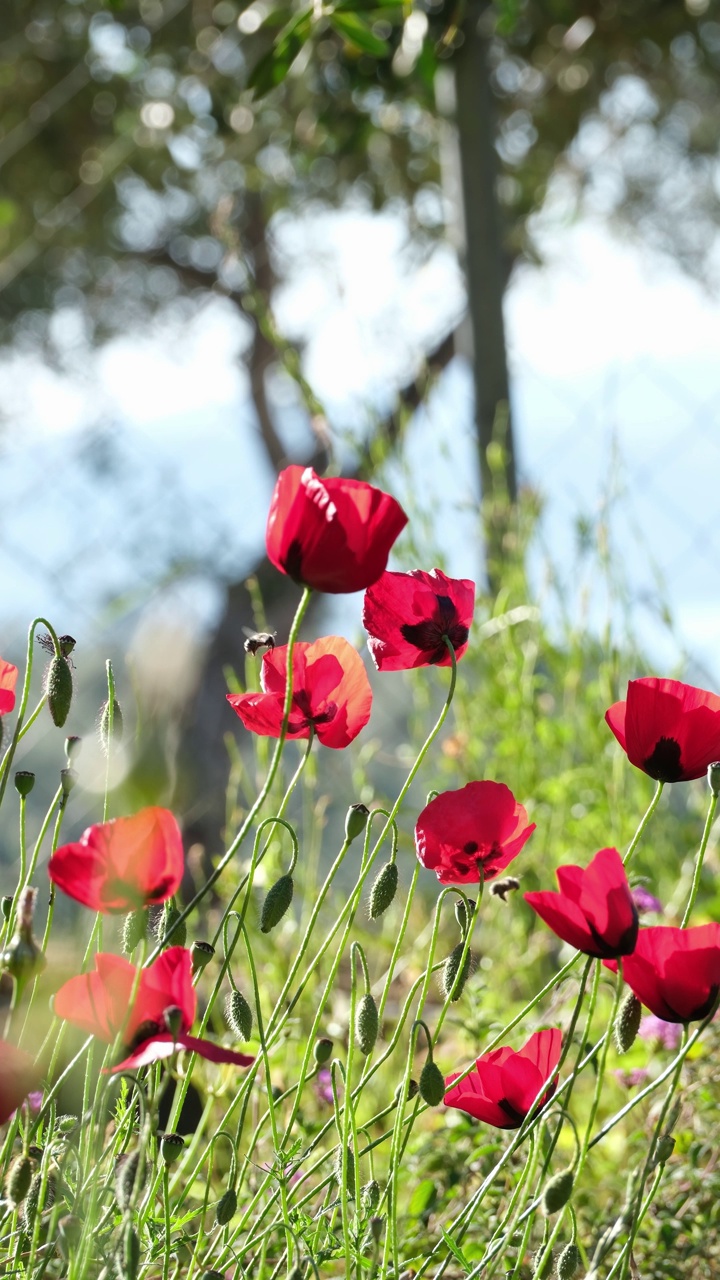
<point>502,1089</point>
<point>18,1077</point>
<point>668,729</point>
<point>675,973</point>
<point>333,535</point>
<point>123,864</point>
<point>408,616</point>
<point>8,680</point>
<point>594,910</point>
<point>470,835</point>
<point>98,1003</point>
<point>331,693</point>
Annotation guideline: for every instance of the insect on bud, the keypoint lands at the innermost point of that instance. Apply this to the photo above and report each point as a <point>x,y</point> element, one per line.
<point>713,777</point>
<point>201,953</point>
<point>239,1015</point>
<point>172,1146</point>
<point>453,980</point>
<point>568,1262</point>
<point>383,890</point>
<point>226,1208</point>
<point>557,1192</point>
<point>356,821</point>
<point>366,1024</point>
<point>24,782</point>
<point>73,747</point>
<point>17,1183</point>
<point>627,1022</point>
<point>323,1050</point>
<point>432,1084</point>
<point>104,725</point>
<point>134,930</point>
<point>213,1275</point>
<point>276,903</point>
<point>59,689</point>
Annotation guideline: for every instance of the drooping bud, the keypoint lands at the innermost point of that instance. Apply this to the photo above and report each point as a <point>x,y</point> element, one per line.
<point>213,1275</point>
<point>713,777</point>
<point>226,1207</point>
<point>24,782</point>
<point>69,1233</point>
<point>129,1256</point>
<point>59,689</point>
<point>370,1197</point>
<point>558,1191</point>
<point>627,1022</point>
<point>276,903</point>
<point>23,957</point>
<point>453,981</point>
<point>17,1183</point>
<point>461,914</point>
<point>568,1262</point>
<point>239,1015</point>
<point>134,930</point>
<point>201,953</point>
<point>350,1170</point>
<point>432,1084</point>
<point>383,890</point>
<point>169,929</point>
<point>366,1024</point>
<point>104,725</point>
<point>126,1172</point>
<point>66,1124</point>
<point>32,1199</point>
<point>356,821</point>
<point>664,1149</point>
<point>7,906</point>
<point>376,1228</point>
<point>172,1146</point>
<point>542,1270</point>
<point>322,1050</point>
<point>73,747</point>
<point>412,1091</point>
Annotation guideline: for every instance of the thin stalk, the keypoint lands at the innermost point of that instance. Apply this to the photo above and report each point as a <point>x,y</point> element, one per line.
<point>700,859</point>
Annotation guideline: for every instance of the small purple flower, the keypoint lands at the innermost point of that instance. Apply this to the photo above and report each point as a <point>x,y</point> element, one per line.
<point>666,1034</point>
<point>323,1086</point>
<point>646,901</point>
<point>632,1079</point>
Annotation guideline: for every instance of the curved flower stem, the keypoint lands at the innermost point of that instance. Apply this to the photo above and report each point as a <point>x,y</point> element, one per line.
<point>644,821</point>
<point>266,787</point>
<point>599,1079</point>
<point>700,859</point>
<point>18,731</point>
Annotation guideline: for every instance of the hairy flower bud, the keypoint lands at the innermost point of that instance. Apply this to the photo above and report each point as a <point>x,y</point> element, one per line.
<point>59,689</point>
<point>323,1050</point>
<point>370,1197</point>
<point>453,980</point>
<point>432,1084</point>
<point>366,1024</point>
<point>542,1271</point>
<point>226,1207</point>
<point>627,1022</point>
<point>24,782</point>
<point>127,1261</point>
<point>66,1124</point>
<point>104,725</point>
<point>664,1149</point>
<point>239,1015</point>
<point>31,1203</point>
<point>17,1183</point>
<point>134,930</point>
<point>558,1191</point>
<point>568,1262</point>
<point>383,890</point>
<point>167,929</point>
<point>126,1173</point>
<point>356,821</point>
<point>350,1170</point>
<point>23,957</point>
<point>276,903</point>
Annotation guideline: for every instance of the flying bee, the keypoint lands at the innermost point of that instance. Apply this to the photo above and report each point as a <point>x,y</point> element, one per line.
<point>501,888</point>
<point>67,644</point>
<point>258,640</point>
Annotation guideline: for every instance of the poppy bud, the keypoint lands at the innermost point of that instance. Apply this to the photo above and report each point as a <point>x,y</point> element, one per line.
<point>128,1260</point>
<point>713,777</point>
<point>558,1191</point>
<point>59,689</point>
<point>413,1090</point>
<point>213,1275</point>
<point>172,1146</point>
<point>350,1170</point>
<point>370,1196</point>
<point>167,930</point>
<point>376,1228</point>
<point>24,782</point>
<point>17,1183</point>
<point>226,1208</point>
<point>665,1148</point>
<point>432,1084</point>
<point>568,1262</point>
<point>366,1024</point>
<point>202,953</point>
<point>461,913</point>
<point>134,930</point>
<point>297,1273</point>
<point>104,724</point>
<point>323,1050</point>
<point>68,778</point>
<point>66,1124</point>
<point>32,1199</point>
<point>22,957</point>
<point>276,903</point>
<point>627,1022</point>
<point>542,1272</point>
<point>126,1171</point>
<point>355,821</point>
<point>72,747</point>
<point>672,1116</point>
<point>239,1015</point>
<point>173,1017</point>
<point>383,890</point>
<point>69,1232</point>
<point>453,980</point>
<point>7,906</point>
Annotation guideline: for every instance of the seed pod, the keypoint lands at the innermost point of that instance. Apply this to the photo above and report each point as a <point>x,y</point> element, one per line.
<point>166,927</point>
<point>68,779</point>
<point>627,1022</point>
<point>558,1191</point>
<point>350,1170</point>
<point>129,1256</point>
<point>239,1015</point>
<point>172,1146</point>
<point>356,821</point>
<point>323,1050</point>
<point>276,903</point>
<point>104,725</point>
<point>201,954</point>
<point>73,746</point>
<point>59,689</point>
<point>370,1197</point>
<point>134,930</point>
<point>713,777</point>
<point>451,973</point>
<point>226,1207</point>
<point>366,1024</point>
<point>17,1183</point>
<point>126,1172</point>
<point>383,890</point>
<point>32,1199</point>
<point>432,1084</point>
<point>22,957</point>
<point>24,782</point>
<point>568,1262</point>
<point>546,1270</point>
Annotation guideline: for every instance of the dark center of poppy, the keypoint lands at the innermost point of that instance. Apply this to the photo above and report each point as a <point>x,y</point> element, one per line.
<point>472,846</point>
<point>292,561</point>
<point>146,1031</point>
<point>512,1112</point>
<point>301,702</point>
<point>664,762</point>
<point>624,946</point>
<point>702,1011</point>
<point>429,635</point>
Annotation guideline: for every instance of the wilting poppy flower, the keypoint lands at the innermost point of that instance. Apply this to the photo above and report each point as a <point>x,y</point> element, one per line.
<point>470,835</point>
<point>331,534</point>
<point>668,729</point>
<point>331,693</point>
<point>408,615</point>
<point>99,1003</point>
<point>8,680</point>
<point>594,910</point>
<point>504,1085</point>
<point>675,973</point>
<point>123,864</point>
<point>18,1077</point>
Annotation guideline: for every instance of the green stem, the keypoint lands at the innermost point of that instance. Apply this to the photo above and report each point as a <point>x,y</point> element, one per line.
<point>643,822</point>
<point>700,859</point>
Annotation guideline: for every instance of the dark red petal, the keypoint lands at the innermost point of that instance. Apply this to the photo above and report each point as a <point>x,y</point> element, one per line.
<point>98,1002</point>
<point>607,903</point>
<point>167,982</point>
<point>262,713</point>
<point>564,918</point>
<point>570,880</point>
<point>164,1046</point>
<point>544,1049</point>
<point>470,1097</point>
<point>615,718</point>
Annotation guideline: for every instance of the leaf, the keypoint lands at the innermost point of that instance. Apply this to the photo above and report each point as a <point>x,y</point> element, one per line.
<point>359,32</point>
<point>456,1252</point>
<point>272,69</point>
<point>423,1198</point>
